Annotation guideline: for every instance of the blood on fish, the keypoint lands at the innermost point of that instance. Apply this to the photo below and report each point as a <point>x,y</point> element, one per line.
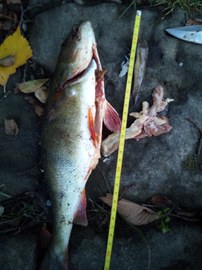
<point>58,94</point>
<point>91,125</point>
<point>99,74</point>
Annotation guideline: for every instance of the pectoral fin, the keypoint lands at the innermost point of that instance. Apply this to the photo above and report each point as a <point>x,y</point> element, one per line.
<point>111,118</point>
<point>91,126</point>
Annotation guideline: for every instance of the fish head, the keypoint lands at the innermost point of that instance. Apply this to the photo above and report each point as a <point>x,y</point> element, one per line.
<point>78,51</point>
<point>82,37</point>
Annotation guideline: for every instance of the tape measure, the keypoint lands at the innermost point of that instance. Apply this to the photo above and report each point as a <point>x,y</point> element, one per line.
<point>122,141</point>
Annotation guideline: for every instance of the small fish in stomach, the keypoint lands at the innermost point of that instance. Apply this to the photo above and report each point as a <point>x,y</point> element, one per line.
<point>71,137</point>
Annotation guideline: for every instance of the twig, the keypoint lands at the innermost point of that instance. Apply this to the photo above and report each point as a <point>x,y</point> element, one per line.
<point>104,179</point>
<point>4,89</point>
<point>199,147</point>
<point>94,203</point>
<point>198,151</point>
<point>132,3</point>
<point>195,125</point>
<point>23,11</point>
<point>184,218</point>
<point>27,171</point>
<point>6,94</point>
<point>5,195</point>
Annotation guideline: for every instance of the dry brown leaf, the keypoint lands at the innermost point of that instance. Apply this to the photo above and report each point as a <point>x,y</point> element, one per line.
<point>39,110</point>
<point>161,200</point>
<point>31,86</point>
<point>7,61</point>
<point>11,127</point>
<point>131,212</point>
<point>38,107</point>
<point>194,21</point>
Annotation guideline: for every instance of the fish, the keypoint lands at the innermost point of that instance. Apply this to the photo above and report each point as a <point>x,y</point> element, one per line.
<point>139,70</point>
<point>71,137</point>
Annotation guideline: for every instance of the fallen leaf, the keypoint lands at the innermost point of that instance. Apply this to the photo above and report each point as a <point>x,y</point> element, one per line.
<point>1,210</point>
<point>7,61</point>
<point>131,212</point>
<point>11,127</point>
<point>194,21</point>
<point>41,94</point>
<point>39,110</point>
<point>161,200</point>
<point>140,67</point>
<point>17,46</point>
<point>31,86</point>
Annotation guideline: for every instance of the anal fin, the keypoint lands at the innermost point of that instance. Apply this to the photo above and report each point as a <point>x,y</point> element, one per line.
<point>80,217</point>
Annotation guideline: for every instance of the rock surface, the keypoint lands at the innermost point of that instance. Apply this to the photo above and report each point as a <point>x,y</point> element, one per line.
<point>131,250</point>
<point>151,166</point>
<point>18,252</point>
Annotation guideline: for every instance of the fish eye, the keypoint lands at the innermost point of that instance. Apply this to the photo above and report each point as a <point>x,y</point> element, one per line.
<point>75,29</point>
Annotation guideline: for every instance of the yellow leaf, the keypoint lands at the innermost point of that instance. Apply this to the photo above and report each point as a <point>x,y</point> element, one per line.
<point>17,46</point>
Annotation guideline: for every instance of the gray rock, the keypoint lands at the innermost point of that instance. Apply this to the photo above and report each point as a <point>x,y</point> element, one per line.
<point>19,154</point>
<point>140,249</point>
<point>18,252</point>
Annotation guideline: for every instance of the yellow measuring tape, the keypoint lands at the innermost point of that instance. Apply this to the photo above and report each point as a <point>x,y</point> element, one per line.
<point>122,141</point>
